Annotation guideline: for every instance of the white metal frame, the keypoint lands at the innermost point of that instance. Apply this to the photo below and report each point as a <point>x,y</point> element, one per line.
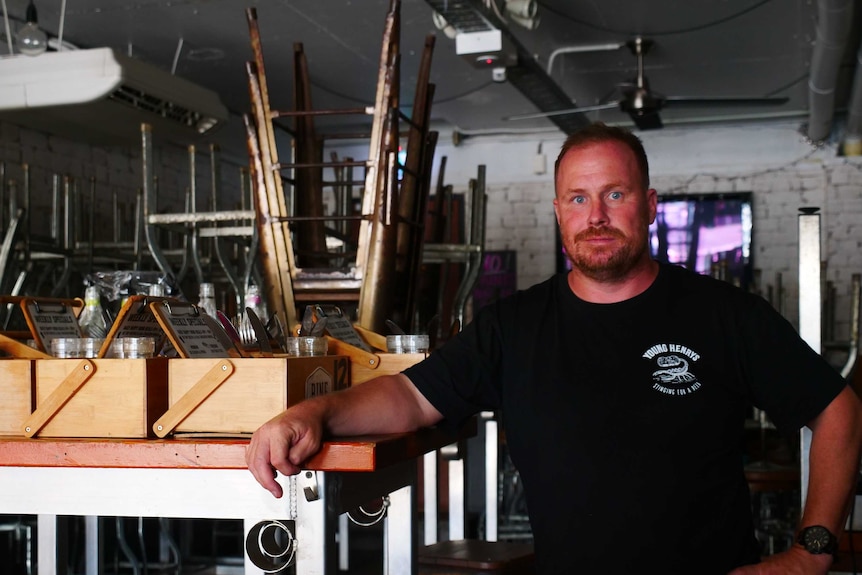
<point>212,493</point>
<point>809,313</point>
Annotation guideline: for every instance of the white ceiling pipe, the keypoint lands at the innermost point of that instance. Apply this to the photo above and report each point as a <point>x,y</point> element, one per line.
<point>834,18</point>
<point>583,48</point>
<point>853,134</point>
<point>6,24</point>
<point>62,24</point>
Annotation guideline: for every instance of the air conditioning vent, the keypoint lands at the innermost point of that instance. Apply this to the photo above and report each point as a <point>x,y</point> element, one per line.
<point>102,97</point>
<point>148,103</point>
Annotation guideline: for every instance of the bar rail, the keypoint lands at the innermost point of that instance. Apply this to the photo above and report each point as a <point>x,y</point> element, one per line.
<point>360,453</point>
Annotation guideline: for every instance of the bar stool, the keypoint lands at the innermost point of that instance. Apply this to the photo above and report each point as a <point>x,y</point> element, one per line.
<point>460,556</point>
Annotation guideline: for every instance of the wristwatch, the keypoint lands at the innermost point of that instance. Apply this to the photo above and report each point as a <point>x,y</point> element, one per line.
<point>818,540</point>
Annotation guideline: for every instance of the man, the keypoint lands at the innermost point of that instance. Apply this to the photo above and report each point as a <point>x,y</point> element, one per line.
<point>624,387</point>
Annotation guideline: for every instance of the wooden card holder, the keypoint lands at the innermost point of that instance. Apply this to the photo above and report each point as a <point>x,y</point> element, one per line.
<point>387,363</point>
<point>16,349</point>
<point>368,360</point>
<point>189,331</point>
<point>365,348</point>
<point>390,364</point>
<point>16,388</point>
<point>339,326</point>
<point>49,318</point>
<point>136,319</point>
<point>238,395</point>
<point>98,397</point>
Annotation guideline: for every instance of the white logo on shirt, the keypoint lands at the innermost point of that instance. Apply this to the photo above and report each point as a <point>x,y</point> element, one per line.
<point>673,376</point>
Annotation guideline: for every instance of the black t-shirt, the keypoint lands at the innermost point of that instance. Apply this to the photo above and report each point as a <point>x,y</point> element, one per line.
<point>626,420</point>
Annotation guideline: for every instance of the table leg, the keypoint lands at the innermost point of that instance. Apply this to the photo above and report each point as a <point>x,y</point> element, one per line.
<point>457,503</point>
<point>91,545</point>
<point>343,542</point>
<point>400,534</point>
<point>315,527</point>
<point>429,490</point>
<point>46,543</point>
<point>492,448</point>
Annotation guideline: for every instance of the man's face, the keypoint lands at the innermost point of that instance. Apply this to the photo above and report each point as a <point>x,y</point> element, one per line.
<point>603,211</point>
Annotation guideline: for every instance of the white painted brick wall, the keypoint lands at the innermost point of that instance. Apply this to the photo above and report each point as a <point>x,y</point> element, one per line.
<point>520,217</point>
<point>114,169</point>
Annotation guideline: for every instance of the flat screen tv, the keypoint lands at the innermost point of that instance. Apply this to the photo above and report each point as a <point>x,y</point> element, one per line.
<point>708,233</point>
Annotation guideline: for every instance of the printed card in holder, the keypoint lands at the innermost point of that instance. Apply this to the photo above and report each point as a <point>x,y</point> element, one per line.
<point>338,326</point>
<point>51,318</point>
<point>188,330</point>
<point>135,320</point>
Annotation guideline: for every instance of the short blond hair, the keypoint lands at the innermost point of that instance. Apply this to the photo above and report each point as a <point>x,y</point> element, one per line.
<point>599,132</point>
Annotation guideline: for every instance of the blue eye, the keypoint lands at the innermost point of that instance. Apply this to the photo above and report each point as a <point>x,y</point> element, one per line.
<point>579,199</point>
<point>615,195</point>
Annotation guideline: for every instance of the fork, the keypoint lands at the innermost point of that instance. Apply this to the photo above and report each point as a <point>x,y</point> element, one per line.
<point>245,331</point>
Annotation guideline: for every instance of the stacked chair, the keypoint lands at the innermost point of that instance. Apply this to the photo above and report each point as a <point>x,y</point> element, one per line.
<point>374,261</point>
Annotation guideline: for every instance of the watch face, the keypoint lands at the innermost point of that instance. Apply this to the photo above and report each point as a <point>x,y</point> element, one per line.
<point>817,539</point>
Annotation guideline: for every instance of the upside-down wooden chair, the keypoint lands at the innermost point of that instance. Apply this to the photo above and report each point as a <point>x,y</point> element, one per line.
<point>296,262</point>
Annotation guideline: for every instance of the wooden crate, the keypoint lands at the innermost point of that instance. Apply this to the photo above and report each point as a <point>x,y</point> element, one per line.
<point>16,388</point>
<point>238,395</point>
<point>98,397</point>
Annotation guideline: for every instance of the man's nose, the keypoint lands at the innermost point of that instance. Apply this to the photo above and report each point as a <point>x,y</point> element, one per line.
<point>598,214</point>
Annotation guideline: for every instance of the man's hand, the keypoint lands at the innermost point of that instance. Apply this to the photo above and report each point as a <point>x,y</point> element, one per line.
<point>794,561</point>
<point>281,445</point>
<point>386,404</point>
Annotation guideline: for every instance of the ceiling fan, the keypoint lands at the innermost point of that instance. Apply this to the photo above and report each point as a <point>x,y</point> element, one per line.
<point>643,105</point>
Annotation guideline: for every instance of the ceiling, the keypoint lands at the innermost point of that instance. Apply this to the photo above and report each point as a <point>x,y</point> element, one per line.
<point>709,48</point>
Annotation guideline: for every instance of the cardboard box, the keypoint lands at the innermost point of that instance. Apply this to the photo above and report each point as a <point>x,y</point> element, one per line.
<point>98,397</point>
<point>16,389</point>
<point>238,395</point>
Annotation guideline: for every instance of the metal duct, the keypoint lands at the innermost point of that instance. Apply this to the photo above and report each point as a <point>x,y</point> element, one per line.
<point>834,18</point>
<point>525,75</point>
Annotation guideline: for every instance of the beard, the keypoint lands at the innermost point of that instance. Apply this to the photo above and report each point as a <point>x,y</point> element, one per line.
<point>605,263</point>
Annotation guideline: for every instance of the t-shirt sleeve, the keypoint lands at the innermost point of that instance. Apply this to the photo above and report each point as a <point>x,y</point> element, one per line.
<point>791,382</point>
<point>461,378</point>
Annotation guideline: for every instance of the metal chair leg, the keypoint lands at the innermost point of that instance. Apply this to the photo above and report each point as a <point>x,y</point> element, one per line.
<point>124,546</point>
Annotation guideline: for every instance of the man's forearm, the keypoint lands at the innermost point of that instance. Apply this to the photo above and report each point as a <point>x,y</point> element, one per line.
<point>833,463</point>
<point>387,404</point>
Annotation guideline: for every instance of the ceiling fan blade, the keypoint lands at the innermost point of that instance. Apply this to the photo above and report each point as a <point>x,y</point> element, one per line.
<point>730,101</point>
<point>575,110</point>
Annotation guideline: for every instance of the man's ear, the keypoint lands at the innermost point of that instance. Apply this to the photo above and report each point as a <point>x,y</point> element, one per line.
<point>652,202</point>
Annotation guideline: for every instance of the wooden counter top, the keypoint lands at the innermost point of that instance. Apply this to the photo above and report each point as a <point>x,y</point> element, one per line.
<point>365,453</point>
